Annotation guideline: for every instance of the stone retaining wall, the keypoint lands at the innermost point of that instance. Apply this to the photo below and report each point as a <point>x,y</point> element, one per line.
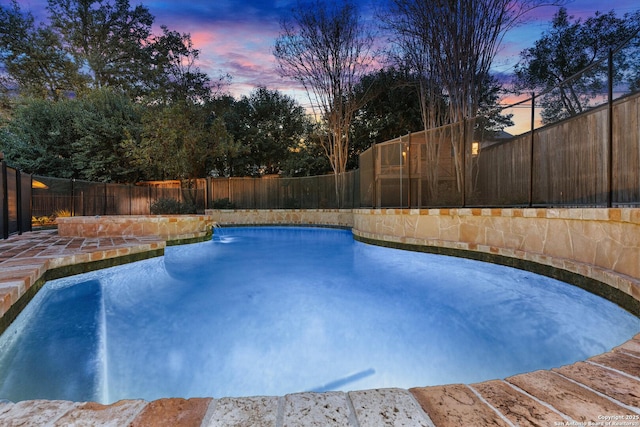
<point>167,227</point>
<point>339,217</point>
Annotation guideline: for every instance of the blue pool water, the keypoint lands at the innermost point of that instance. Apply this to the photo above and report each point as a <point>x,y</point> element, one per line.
<point>270,311</point>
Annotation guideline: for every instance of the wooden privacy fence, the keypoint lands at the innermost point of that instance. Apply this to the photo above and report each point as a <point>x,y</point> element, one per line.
<point>54,196</point>
<point>75,197</point>
<point>591,159</point>
<point>314,192</point>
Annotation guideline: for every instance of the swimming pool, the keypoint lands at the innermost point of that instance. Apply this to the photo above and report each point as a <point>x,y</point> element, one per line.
<point>269,311</point>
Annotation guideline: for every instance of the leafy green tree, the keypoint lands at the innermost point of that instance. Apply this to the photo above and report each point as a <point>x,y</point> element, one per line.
<point>181,141</point>
<point>392,109</point>
<point>105,37</point>
<point>571,46</point>
<point>230,162</point>
<point>108,125</point>
<point>173,75</point>
<point>38,139</point>
<point>269,125</point>
<point>87,138</point>
<point>307,158</point>
<point>34,57</point>
<point>92,44</point>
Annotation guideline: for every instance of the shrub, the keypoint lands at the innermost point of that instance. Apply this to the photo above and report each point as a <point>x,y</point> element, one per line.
<point>41,220</point>
<point>51,219</point>
<point>171,207</point>
<point>223,204</point>
<point>61,213</point>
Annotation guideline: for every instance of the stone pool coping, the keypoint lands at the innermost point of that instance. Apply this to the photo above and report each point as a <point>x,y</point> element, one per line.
<point>170,228</point>
<point>603,386</point>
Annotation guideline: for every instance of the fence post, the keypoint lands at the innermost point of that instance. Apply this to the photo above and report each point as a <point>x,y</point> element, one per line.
<point>401,165</point>
<point>73,197</point>
<point>207,194</point>
<point>19,199</point>
<point>5,198</point>
<point>254,199</point>
<point>374,187</point>
<point>610,131</point>
<point>409,172</point>
<point>533,118</point>
<point>464,162</point>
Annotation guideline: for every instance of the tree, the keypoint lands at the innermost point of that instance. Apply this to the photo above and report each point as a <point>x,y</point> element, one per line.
<point>174,76</point>
<point>452,44</point>
<point>269,125</point>
<point>106,38</point>
<point>34,58</point>
<point>307,158</point>
<point>412,50</point>
<point>392,109</point>
<point>37,139</point>
<point>86,138</point>
<point>181,141</point>
<point>326,47</point>
<point>569,48</point>
<point>92,44</point>
<point>108,124</point>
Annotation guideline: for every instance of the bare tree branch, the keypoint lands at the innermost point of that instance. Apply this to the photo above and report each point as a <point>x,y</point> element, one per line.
<point>327,48</point>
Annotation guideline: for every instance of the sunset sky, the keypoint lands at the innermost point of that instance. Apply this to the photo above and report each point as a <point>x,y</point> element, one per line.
<point>237,37</point>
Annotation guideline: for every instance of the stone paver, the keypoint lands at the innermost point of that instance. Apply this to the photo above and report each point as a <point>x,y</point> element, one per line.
<point>522,410</point>
<point>173,413</point>
<point>579,403</point>
<point>254,411</point>
<point>34,412</point>
<point>91,414</point>
<point>457,405</point>
<point>24,259</point>
<point>317,409</point>
<point>620,387</point>
<point>608,384</point>
<point>394,407</point>
<point>620,361</point>
<point>631,347</point>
